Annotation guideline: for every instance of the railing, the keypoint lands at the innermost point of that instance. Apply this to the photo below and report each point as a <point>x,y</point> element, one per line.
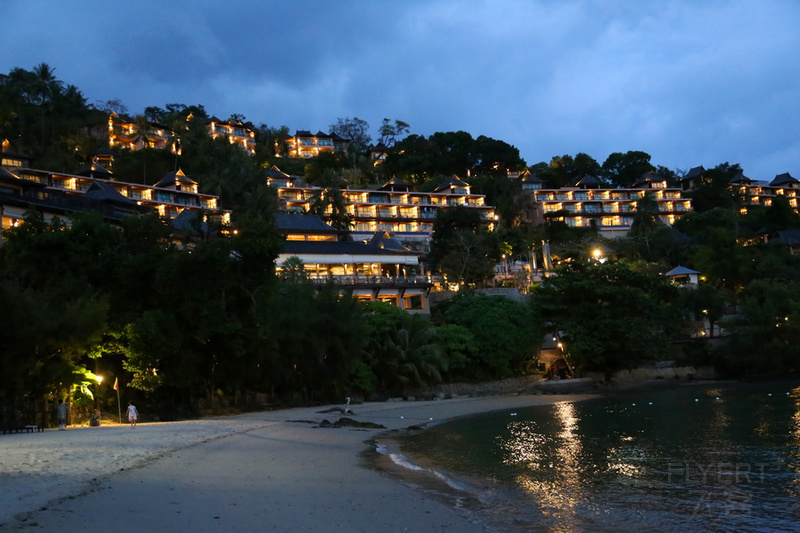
<point>384,281</point>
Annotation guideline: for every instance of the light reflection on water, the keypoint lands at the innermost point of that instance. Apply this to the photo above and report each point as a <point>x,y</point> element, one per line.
<point>700,458</point>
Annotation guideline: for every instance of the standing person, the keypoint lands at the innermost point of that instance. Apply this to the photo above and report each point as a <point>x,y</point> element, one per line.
<point>132,413</point>
<point>61,414</point>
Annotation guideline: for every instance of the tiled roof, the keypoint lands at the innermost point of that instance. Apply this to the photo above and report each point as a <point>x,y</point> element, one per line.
<point>782,179</point>
<point>186,222</point>
<point>289,223</point>
<point>339,248</point>
<point>588,181</point>
<point>275,172</point>
<point>106,193</point>
<point>175,177</point>
<point>383,240</point>
<point>95,171</point>
<point>395,184</point>
<point>452,181</point>
<point>695,172</point>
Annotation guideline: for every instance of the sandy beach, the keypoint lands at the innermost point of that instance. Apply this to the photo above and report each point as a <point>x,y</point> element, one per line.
<point>266,471</point>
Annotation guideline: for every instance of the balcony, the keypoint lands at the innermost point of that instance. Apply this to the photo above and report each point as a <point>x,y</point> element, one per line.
<point>366,282</point>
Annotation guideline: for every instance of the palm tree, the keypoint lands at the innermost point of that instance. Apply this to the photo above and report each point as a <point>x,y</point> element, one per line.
<point>142,128</point>
<point>44,89</point>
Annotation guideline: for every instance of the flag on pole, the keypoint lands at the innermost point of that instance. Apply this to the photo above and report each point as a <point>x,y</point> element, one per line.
<point>116,383</point>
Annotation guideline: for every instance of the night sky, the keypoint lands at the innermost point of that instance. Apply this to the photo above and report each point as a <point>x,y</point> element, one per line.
<point>691,82</point>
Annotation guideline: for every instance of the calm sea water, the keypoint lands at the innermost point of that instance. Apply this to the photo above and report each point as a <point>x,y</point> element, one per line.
<point>721,457</point>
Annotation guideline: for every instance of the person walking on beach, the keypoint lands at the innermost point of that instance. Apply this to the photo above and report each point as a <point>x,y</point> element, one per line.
<point>61,414</point>
<point>132,413</point>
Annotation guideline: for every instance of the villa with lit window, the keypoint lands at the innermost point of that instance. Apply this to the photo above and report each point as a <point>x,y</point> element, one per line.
<point>611,211</point>
<point>236,133</point>
<point>304,144</point>
<point>123,132</point>
<point>754,192</point>
<point>380,269</point>
<point>393,208</point>
<point>93,188</point>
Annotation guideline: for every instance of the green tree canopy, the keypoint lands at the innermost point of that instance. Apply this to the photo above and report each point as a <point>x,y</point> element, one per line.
<point>505,334</point>
<point>462,247</point>
<point>610,316</point>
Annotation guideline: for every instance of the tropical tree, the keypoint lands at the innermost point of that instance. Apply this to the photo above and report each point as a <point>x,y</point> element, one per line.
<point>504,334</point>
<point>765,332</point>
<point>402,350</point>
<point>331,205</point>
<point>462,247</point>
<point>390,131</point>
<point>354,130</point>
<point>610,316</point>
<point>625,169</point>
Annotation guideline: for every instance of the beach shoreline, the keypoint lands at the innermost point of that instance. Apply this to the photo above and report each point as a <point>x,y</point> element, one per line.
<point>65,479</point>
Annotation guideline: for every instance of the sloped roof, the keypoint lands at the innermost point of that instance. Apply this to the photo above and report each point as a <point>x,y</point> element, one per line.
<point>531,178</point>
<point>175,177</point>
<point>6,175</point>
<point>741,179</point>
<point>694,172</point>
<point>588,181</point>
<point>187,222</point>
<point>7,148</point>
<point>453,181</point>
<point>106,193</point>
<point>783,179</point>
<point>275,172</point>
<point>790,237</point>
<point>95,171</point>
<point>311,224</point>
<point>681,271</point>
<point>385,241</point>
<point>351,248</point>
<point>648,177</point>
<point>395,184</point>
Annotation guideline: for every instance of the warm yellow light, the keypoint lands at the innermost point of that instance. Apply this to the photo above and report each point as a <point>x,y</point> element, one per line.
<point>597,252</point>
<point>99,379</point>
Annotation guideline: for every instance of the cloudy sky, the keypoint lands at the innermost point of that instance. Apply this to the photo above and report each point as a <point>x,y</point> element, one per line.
<point>691,82</point>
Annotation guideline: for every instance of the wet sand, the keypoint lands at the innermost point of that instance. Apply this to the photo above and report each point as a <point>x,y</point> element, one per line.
<point>266,471</point>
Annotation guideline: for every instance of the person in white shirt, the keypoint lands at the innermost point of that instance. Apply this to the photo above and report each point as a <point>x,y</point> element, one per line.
<point>132,413</point>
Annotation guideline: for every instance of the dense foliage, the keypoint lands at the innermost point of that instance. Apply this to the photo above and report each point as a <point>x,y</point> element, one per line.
<point>183,322</point>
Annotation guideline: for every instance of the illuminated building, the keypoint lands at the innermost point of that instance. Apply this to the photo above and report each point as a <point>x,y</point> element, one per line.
<point>379,269</point>
<point>393,208</point>
<point>304,144</point>
<point>125,132</point>
<point>611,211</point>
<point>752,192</point>
<point>93,188</point>
<point>236,133</point>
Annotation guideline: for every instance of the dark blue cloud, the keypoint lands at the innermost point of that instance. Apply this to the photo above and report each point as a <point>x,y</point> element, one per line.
<point>689,82</point>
